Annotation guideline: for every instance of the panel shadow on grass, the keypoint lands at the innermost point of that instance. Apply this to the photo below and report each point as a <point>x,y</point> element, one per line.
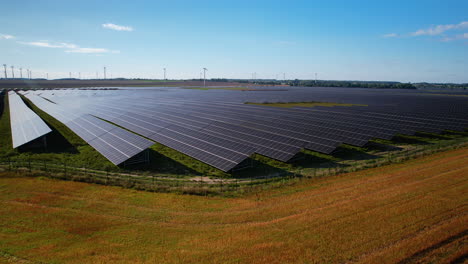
<point>261,166</point>
<point>347,153</point>
<point>452,133</point>
<point>442,136</point>
<point>313,160</point>
<point>2,100</point>
<point>414,140</point>
<point>54,143</point>
<point>380,147</point>
<point>159,163</point>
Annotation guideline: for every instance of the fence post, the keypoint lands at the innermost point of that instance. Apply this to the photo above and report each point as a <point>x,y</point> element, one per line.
<point>9,163</point>
<point>29,164</point>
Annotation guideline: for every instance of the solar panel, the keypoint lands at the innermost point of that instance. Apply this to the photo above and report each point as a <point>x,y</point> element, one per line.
<point>114,143</point>
<point>195,152</point>
<point>26,125</point>
<point>119,145</point>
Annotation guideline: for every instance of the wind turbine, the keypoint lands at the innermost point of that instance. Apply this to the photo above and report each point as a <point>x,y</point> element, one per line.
<point>21,73</point>
<point>104,72</point>
<point>164,73</point>
<point>13,71</point>
<point>204,76</point>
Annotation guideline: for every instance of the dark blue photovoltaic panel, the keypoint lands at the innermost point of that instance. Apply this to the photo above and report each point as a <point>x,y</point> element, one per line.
<point>114,143</point>
<point>26,125</point>
<point>195,152</point>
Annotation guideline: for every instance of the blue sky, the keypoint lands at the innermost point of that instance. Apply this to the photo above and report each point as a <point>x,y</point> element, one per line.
<point>408,41</point>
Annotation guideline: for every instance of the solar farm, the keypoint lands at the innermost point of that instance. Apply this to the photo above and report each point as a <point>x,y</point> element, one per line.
<point>258,175</point>
<point>224,128</point>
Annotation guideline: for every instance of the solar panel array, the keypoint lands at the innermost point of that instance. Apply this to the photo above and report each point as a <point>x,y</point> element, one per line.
<point>26,125</point>
<point>219,129</point>
<point>114,143</point>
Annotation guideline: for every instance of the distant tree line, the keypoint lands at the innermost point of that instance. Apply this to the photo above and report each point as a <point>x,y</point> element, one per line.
<point>358,84</point>
<point>322,83</point>
<point>352,84</point>
<point>438,86</point>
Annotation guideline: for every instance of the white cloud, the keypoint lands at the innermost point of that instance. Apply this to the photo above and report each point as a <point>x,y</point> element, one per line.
<point>45,44</point>
<point>4,36</point>
<point>457,37</point>
<point>91,50</point>
<point>87,50</point>
<point>117,27</point>
<point>71,48</point>
<point>439,29</point>
<point>390,35</point>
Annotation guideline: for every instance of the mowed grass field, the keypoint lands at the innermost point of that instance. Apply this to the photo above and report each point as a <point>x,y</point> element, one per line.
<point>413,212</point>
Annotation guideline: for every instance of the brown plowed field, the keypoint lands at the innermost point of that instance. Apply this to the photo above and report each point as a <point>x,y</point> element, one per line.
<point>414,212</point>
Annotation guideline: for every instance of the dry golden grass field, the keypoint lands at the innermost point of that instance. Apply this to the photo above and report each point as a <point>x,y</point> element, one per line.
<point>413,212</point>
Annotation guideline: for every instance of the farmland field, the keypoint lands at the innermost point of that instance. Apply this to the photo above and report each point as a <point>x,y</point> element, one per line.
<point>411,212</point>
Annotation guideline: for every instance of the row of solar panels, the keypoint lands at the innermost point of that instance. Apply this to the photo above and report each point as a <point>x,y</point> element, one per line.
<point>26,125</point>
<point>224,134</point>
<point>114,143</point>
